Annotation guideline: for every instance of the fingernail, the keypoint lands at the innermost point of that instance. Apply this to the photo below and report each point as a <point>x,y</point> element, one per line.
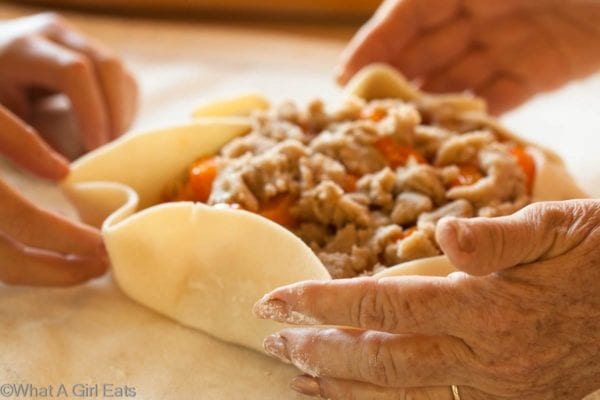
<point>276,346</point>
<point>306,385</point>
<point>275,309</point>
<point>464,236</point>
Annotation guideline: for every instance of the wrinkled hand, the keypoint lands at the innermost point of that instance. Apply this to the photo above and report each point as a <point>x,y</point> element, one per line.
<point>531,330</point>
<point>505,51</point>
<point>44,54</point>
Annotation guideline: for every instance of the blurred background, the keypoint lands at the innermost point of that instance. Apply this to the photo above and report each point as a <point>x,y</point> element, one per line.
<point>348,10</point>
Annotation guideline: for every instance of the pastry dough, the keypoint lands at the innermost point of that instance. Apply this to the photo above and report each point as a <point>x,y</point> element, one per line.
<point>205,267</point>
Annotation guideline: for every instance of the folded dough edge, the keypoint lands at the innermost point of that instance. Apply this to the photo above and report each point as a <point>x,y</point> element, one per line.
<point>204,266</point>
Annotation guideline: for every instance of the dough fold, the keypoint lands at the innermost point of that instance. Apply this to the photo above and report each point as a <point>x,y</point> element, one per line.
<point>206,266</point>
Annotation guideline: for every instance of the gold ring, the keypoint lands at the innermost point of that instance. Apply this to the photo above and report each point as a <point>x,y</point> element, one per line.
<point>455,393</point>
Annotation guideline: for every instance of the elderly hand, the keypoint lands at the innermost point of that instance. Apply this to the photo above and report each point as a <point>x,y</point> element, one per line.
<point>43,54</point>
<point>523,322</point>
<point>505,51</point>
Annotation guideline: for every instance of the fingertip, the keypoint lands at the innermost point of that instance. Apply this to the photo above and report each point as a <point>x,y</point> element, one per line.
<point>456,234</point>
<point>85,266</point>
<point>61,167</point>
<point>458,241</point>
<point>341,75</point>
<point>48,165</point>
<point>284,305</point>
<point>271,308</point>
<point>89,267</point>
<point>103,260</point>
<point>350,62</point>
<point>446,236</point>
<point>276,345</point>
<point>95,269</point>
<point>91,242</point>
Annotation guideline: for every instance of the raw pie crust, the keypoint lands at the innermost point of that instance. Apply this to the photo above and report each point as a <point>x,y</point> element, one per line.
<point>206,266</point>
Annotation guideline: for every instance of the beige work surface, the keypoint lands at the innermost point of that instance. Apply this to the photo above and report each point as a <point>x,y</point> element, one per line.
<point>93,334</point>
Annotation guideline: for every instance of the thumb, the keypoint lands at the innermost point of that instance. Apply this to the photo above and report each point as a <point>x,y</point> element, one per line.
<point>480,246</point>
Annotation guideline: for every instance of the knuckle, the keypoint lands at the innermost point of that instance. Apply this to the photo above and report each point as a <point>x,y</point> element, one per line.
<point>583,214</point>
<point>21,43</point>
<point>302,343</point>
<point>547,216</point>
<point>363,314</point>
<point>502,242</point>
<point>77,66</point>
<point>562,226</point>
<point>461,280</point>
<point>378,364</point>
<point>418,304</point>
<point>409,314</point>
<point>52,20</point>
<point>552,217</point>
<point>111,62</point>
<point>375,309</point>
<point>106,60</point>
<point>494,238</point>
